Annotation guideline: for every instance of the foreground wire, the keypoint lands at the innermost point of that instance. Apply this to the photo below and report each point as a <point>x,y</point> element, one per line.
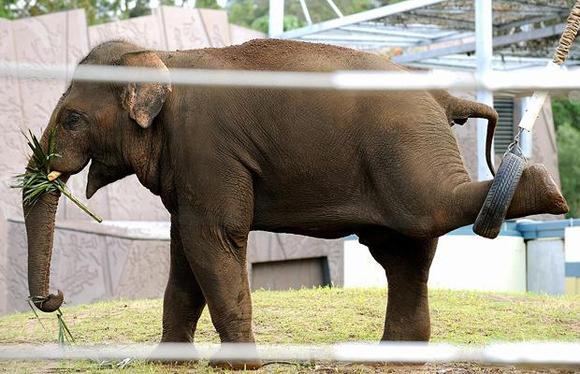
<point>539,354</point>
<point>530,79</point>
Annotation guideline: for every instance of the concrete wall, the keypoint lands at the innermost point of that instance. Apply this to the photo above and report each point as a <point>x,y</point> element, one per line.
<point>27,104</point>
<point>128,259</point>
<point>572,256</point>
<point>546,266</point>
<point>360,268</point>
<point>268,247</point>
<point>3,264</point>
<point>89,263</point>
<point>462,262</point>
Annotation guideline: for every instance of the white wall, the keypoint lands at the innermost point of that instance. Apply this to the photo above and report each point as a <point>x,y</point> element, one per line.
<point>469,262</point>
<point>462,262</point>
<point>360,268</point>
<point>572,244</point>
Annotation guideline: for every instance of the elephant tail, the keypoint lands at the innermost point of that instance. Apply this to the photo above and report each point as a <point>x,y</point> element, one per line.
<point>460,110</point>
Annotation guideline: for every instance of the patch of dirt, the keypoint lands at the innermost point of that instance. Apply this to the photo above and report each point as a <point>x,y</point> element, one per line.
<point>506,298</point>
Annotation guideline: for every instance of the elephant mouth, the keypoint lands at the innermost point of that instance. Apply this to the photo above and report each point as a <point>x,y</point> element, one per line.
<point>101,174</point>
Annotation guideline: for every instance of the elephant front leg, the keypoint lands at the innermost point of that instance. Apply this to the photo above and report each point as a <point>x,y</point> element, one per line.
<point>183,302</point>
<point>218,259</point>
<point>406,262</point>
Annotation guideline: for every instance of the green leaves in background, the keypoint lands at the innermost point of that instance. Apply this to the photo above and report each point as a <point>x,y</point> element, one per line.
<point>567,122</point>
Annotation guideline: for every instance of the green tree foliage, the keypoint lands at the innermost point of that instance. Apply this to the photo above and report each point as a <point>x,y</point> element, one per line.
<point>566,112</point>
<point>97,11</point>
<point>254,13</point>
<point>569,160</point>
<point>208,4</point>
<point>567,122</point>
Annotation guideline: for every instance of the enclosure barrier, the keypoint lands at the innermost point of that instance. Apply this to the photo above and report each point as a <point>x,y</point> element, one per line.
<point>528,354</point>
<point>528,80</point>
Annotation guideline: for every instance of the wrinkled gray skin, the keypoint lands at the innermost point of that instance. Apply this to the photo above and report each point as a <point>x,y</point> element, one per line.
<point>224,161</point>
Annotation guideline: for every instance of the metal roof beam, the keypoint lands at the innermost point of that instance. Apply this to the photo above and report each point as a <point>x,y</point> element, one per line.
<point>425,30</point>
<point>385,11</point>
<point>470,47</point>
<point>360,37</point>
<point>306,12</point>
<point>468,23</point>
<point>527,21</point>
<point>335,8</point>
<point>398,33</point>
<point>542,6</point>
<point>355,39</point>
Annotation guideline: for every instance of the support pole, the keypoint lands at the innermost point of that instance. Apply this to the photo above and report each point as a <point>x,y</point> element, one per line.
<point>526,136</point>
<point>276,18</point>
<point>483,53</point>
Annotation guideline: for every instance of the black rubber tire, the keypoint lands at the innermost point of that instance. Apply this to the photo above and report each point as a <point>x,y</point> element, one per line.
<point>498,199</point>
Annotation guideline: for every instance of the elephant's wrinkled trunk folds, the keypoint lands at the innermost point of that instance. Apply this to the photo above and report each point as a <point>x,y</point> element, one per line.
<point>39,220</point>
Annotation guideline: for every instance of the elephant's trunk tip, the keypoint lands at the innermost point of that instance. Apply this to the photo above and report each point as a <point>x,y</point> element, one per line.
<point>50,303</point>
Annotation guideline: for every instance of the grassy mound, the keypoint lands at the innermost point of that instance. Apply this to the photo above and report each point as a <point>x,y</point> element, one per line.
<point>313,316</point>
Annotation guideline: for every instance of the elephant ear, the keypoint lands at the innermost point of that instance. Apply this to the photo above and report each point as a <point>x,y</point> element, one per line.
<point>144,101</point>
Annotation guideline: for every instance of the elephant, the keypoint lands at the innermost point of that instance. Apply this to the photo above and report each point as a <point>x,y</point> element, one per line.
<point>384,166</point>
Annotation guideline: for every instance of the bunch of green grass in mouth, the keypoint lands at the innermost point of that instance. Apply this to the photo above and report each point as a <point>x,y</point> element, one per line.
<point>39,180</point>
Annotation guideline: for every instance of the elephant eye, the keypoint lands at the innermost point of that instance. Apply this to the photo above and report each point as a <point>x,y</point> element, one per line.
<point>72,121</point>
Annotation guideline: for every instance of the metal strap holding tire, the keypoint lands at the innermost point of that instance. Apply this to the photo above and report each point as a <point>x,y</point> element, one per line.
<point>503,187</point>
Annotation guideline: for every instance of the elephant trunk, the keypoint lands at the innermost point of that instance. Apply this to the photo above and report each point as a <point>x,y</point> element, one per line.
<point>39,220</point>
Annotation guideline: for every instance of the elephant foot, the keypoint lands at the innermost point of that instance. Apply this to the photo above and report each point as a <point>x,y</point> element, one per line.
<point>537,193</point>
<point>161,351</point>
<point>236,365</point>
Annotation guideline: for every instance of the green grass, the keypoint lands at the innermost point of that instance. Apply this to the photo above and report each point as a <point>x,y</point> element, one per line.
<point>312,316</point>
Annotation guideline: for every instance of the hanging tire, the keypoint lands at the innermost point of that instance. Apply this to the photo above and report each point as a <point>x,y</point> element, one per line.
<point>498,199</point>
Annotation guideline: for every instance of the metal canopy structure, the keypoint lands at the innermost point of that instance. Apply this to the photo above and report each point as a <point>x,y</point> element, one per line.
<point>441,33</point>
<point>480,35</point>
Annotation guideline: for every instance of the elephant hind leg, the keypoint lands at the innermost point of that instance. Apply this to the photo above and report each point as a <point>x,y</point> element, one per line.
<point>183,301</point>
<point>537,193</point>
<point>406,262</point>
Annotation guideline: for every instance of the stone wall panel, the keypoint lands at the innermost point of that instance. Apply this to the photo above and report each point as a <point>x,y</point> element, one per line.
<point>86,266</point>
<point>41,40</point>
<point>12,152</point>
<point>217,27</point>
<point>17,268</point>
<point>129,200</point>
<point>145,31</point>
<point>52,39</point>
<point>268,247</point>
<point>239,34</point>
<point>3,263</point>
<point>183,28</point>
<point>145,272</point>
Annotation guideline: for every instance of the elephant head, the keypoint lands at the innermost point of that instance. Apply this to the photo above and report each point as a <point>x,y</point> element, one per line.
<point>106,124</point>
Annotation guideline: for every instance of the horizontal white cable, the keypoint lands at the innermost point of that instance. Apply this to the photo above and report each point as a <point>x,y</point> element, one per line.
<point>539,354</point>
<point>536,79</point>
